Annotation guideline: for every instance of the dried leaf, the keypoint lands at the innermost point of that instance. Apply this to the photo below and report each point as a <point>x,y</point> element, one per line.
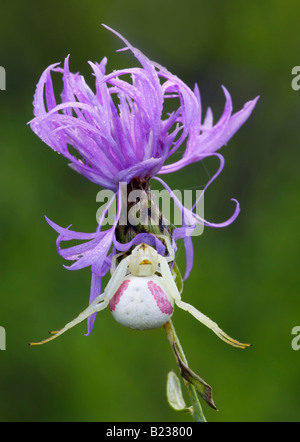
<point>201,386</point>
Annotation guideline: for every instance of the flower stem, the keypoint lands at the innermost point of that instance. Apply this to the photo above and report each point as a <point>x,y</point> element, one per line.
<point>174,341</point>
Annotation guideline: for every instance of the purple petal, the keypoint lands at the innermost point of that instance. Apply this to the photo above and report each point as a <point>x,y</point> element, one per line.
<point>189,253</point>
<point>191,218</point>
<point>206,139</point>
<point>94,292</point>
<point>146,238</point>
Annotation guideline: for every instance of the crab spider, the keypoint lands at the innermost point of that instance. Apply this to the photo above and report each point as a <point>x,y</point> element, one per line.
<point>141,295</point>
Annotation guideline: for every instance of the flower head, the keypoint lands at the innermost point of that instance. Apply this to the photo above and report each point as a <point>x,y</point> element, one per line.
<point>118,142</point>
<point>121,132</point>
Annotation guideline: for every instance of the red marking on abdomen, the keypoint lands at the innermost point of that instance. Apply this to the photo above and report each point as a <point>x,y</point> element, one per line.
<point>117,296</point>
<point>162,301</point>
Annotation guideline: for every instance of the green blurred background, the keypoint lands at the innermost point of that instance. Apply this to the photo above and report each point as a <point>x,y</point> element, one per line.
<point>245,277</point>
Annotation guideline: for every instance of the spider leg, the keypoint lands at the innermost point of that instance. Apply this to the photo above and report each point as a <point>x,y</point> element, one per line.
<point>170,249</point>
<point>173,291</point>
<point>115,281</point>
<point>97,305</point>
<point>114,262</point>
<point>81,317</point>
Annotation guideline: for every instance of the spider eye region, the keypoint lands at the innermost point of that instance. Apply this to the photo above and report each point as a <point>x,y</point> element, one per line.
<point>145,262</point>
<point>142,303</point>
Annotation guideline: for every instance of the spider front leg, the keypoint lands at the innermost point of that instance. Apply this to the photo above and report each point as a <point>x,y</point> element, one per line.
<point>114,264</point>
<point>170,249</point>
<point>99,303</point>
<point>173,291</point>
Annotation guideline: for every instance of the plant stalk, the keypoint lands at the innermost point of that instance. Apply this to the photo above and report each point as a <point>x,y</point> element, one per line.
<point>173,339</point>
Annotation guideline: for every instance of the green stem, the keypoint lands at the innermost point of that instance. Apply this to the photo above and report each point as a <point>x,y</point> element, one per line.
<point>173,339</point>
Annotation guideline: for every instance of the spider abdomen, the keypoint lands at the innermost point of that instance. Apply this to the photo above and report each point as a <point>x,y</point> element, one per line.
<point>142,303</point>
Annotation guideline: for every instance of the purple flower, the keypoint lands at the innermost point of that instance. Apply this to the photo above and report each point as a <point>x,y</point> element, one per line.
<point>121,132</point>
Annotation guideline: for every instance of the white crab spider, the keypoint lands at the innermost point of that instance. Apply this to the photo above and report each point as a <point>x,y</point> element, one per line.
<point>141,299</point>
